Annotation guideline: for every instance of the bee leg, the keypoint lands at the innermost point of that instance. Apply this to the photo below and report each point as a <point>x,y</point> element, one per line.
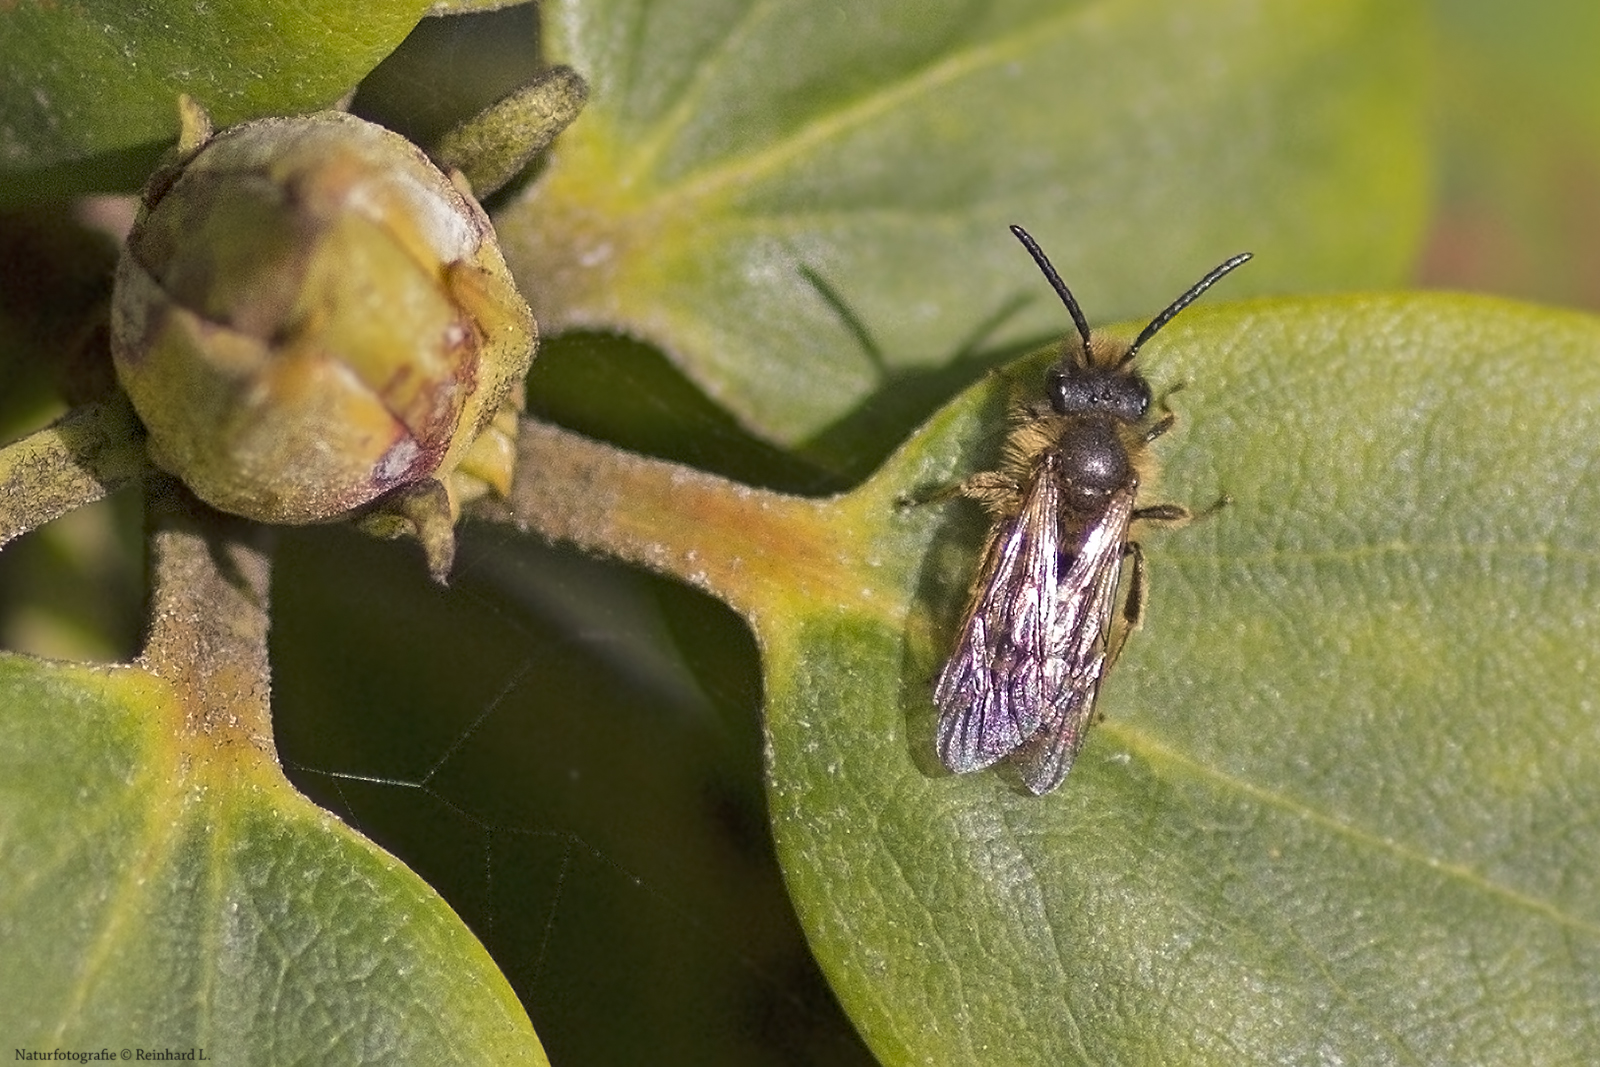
<point>935,495</point>
<point>1168,419</point>
<point>986,482</point>
<point>1132,604</point>
<point>1162,513</point>
<point>1163,424</point>
<point>982,487</point>
<point>1177,513</point>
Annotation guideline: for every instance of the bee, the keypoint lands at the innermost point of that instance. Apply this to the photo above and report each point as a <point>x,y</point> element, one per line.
<point>1042,625</point>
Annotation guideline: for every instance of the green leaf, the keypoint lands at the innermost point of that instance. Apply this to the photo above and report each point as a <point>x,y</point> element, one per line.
<point>88,92</point>
<point>801,206</point>
<point>1345,801</point>
<point>155,894</point>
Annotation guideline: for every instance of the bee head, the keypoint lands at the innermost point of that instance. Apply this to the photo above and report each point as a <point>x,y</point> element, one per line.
<point>1078,385</point>
<point>1115,391</point>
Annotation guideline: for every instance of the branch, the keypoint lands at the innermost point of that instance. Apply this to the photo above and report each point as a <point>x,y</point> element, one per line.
<point>753,548</point>
<point>210,575</point>
<point>83,456</point>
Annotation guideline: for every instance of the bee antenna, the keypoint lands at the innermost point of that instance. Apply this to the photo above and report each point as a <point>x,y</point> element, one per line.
<point>1217,274</point>
<point>1055,280</point>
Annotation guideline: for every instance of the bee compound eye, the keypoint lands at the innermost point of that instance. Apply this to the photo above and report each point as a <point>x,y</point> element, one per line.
<point>1136,402</point>
<point>1071,394</point>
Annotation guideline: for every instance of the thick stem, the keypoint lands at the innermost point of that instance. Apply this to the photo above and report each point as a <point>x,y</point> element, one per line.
<point>752,548</point>
<point>210,575</point>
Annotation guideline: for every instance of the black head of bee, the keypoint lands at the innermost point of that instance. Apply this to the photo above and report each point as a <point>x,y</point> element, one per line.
<point>1079,386</point>
<point>1115,391</point>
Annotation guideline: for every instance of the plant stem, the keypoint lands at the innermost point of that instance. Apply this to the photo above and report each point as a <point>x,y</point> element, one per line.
<point>81,457</point>
<point>210,576</point>
<point>758,550</point>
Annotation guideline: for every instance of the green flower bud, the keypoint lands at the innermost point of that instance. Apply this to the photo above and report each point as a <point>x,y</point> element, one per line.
<point>309,315</point>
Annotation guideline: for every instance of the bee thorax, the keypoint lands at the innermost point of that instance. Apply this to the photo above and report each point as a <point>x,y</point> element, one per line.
<point>1093,462</point>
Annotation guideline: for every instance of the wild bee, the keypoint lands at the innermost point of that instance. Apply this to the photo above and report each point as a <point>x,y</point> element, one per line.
<point>1042,626</point>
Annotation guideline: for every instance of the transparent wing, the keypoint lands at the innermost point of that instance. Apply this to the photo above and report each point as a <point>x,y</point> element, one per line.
<point>1086,601</point>
<point>998,683</point>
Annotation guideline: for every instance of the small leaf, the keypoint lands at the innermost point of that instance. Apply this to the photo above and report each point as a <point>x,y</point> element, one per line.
<point>169,895</point>
<point>799,205</point>
<point>493,145</point>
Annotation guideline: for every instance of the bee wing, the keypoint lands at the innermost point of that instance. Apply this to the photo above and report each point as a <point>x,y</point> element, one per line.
<point>996,686</point>
<point>1086,601</point>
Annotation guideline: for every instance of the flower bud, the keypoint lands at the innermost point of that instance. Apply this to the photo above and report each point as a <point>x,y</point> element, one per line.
<point>309,314</point>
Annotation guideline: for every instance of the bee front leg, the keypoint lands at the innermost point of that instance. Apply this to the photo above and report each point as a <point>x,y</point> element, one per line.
<point>1163,424</point>
<point>1169,418</point>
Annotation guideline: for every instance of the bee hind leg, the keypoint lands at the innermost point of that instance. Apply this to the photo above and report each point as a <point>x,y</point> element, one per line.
<point>1132,613</point>
<point>1133,604</point>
